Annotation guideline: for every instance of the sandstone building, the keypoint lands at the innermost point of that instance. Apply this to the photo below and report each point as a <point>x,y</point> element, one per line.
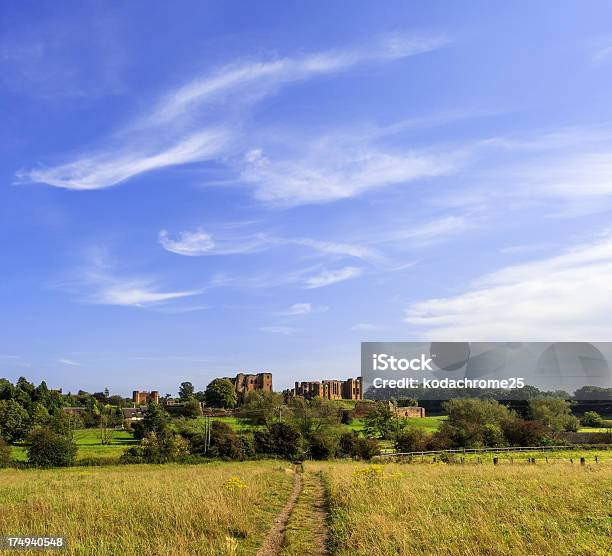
<point>329,389</point>
<point>143,398</point>
<point>245,383</point>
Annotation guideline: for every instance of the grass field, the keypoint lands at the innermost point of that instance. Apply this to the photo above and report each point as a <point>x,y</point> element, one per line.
<point>89,446</point>
<point>559,509</point>
<point>144,509</point>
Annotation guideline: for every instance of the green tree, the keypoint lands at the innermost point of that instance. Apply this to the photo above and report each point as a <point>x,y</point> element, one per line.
<point>39,415</point>
<point>382,422</point>
<point>592,419</point>
<point>264,408</point>
<point>14,420</point>
<point>186,391</point>
<point>555,413</point>
<point>5,454</point>
<point>46,448</point>
<point>192,408</point>
<point>221,393</point>
<point>155,419</point>
<point>311,416</point>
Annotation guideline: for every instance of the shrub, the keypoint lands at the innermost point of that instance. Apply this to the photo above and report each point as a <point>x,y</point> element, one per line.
<point>14,420</point>
<point>280,439</point>
<point>492,435</point>
<point>322,446</point>
<point>157,449</point>
<point>224,442</point>
<point>346,444</point>
<point>592,419</point>
<point>411,440</point>
<point>5,453</point>
<point>366,448</point>
<point>524,433</point>
<point>346,416</point>
<point>47,448</point>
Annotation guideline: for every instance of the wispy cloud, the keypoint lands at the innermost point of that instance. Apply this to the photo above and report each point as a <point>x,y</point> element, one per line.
<point>98,282</point>
<point>111,167</point>
<point>190,125</point>
<point>302,309</point>
<point>200,242</point>
<point>329,277</point>
<point>329,170</point>
<point>565,297</point>
<point>69,362</point>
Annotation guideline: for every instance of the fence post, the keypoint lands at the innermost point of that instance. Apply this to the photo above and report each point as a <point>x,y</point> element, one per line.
<point>582,461</point>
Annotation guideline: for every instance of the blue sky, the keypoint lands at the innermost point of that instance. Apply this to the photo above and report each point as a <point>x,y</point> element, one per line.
<point>192,188</point>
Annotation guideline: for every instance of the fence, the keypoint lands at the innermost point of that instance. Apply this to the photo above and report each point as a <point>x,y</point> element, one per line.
<point>462,451</point>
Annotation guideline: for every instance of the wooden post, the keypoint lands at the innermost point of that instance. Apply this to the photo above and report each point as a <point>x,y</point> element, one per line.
<point>495,460</point>
<point>595,459</point>
<point>582,461</point>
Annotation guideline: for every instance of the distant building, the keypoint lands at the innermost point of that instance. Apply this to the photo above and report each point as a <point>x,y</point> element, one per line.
<point>245,383</point>
<point>143,398</point>
<point>329,389</point>
<point>132,414</point>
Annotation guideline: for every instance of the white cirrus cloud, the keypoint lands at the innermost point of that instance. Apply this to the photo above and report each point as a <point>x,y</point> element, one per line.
<point>564,297</point>
<point>98,282</point>
<point>302,309</point>
<point>329,277</point>
<point>69,362</point>
<point>190,244</point>
<point>197,122</point>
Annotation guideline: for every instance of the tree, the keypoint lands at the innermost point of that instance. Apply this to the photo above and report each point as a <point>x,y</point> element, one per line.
<point>221,393</point>
<point>186,391</point>
<point>192,408</point>
<point>264,408</point>
<point>412,439</point>
<point>39,415</point>
<point>14,420</point>
<point>157,449</point>
<point>322,446</point>
<point>5,453</point>
<point>155,419</point>
<point>381,421</point>
<point>66,423</point>
<point>314,415</point>
<point>555,413</point>
<point>224,442</point>
<point>46,448</point>
<point>281,439</point>
<point>592,419</point>
<point>106,428</point>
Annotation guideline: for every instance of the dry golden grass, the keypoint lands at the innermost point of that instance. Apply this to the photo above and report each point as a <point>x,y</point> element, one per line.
<point>559,509</point>
<point>144,509</point>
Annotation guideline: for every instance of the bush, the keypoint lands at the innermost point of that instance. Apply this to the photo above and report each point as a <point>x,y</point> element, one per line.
<point>412,440</point>
<point>224,442</point>
<point>157,449</point>
<point>592,419</point>
<point>524,433</point>
<point>366,448</point>
<point>281,439</point>
<point>47,448</point>
<point>346,444</point>
<point>346,416</point>
<point>322,446</point>
<point>5,453</point>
